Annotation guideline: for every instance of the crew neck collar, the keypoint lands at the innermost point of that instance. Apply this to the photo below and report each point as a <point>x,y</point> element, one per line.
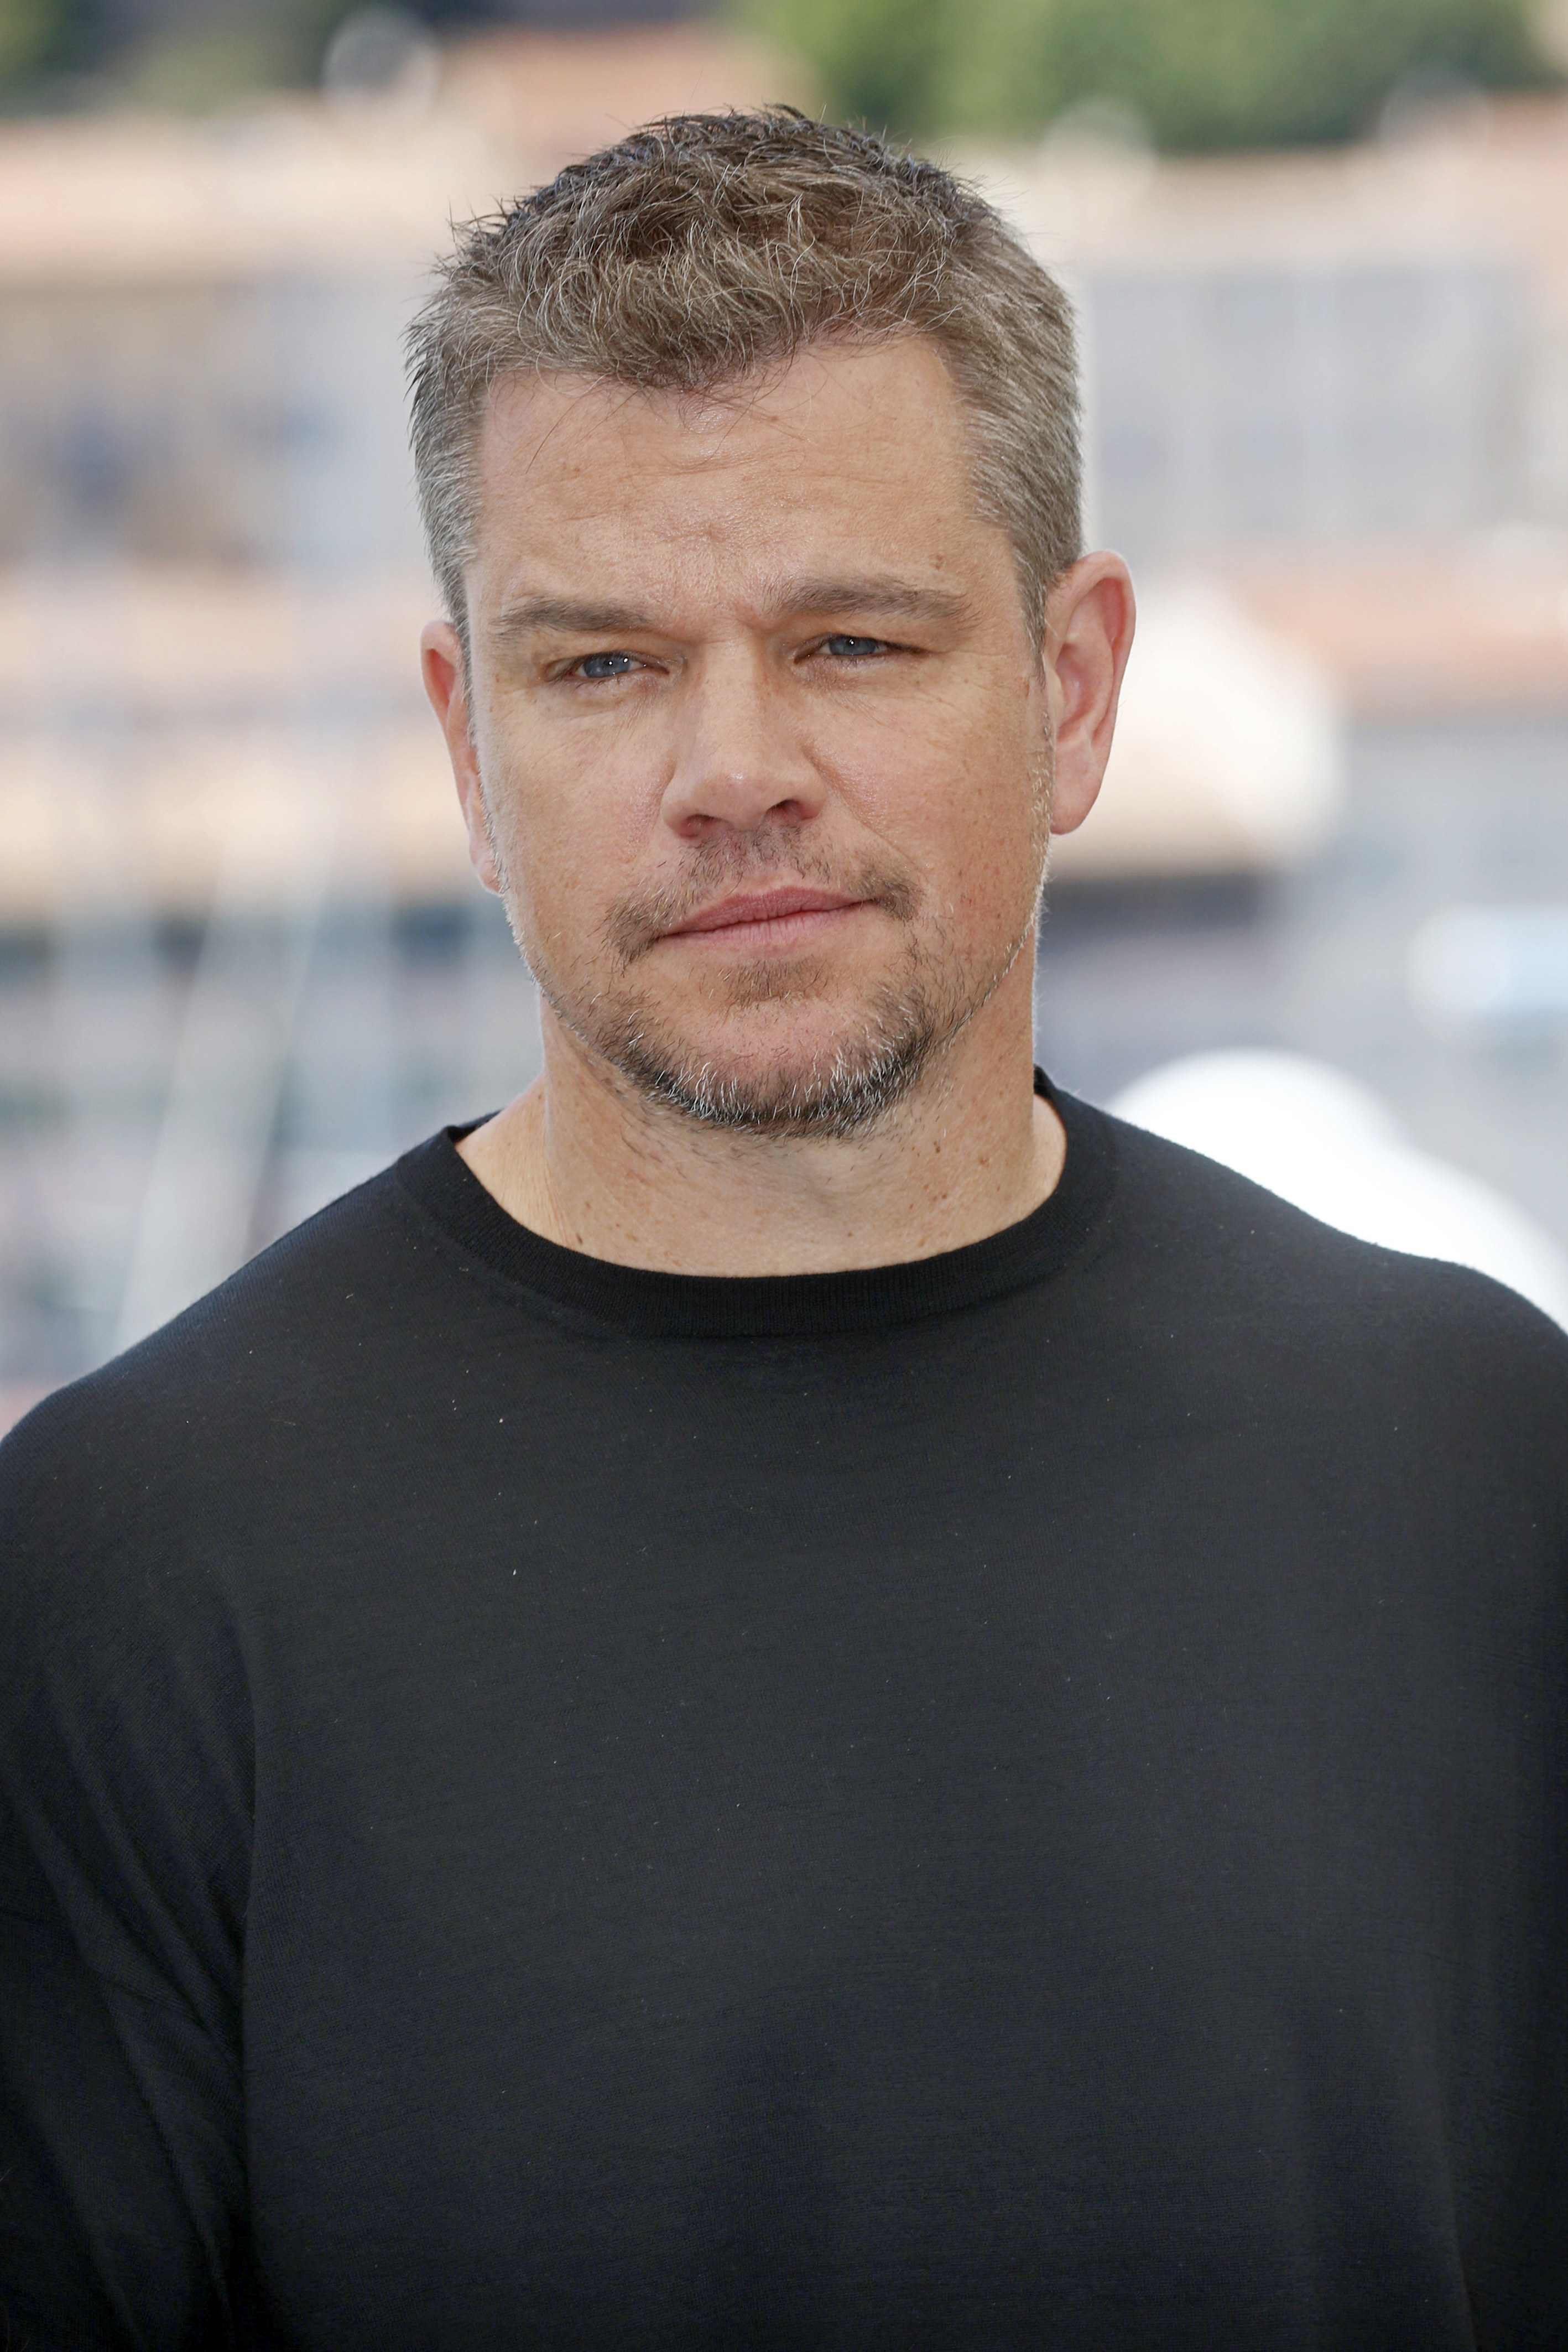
<point>637,1299</point>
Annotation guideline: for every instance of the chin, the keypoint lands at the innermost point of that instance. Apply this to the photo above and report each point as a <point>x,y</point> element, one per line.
<point>783,1079</point>
<point>788,1049</point>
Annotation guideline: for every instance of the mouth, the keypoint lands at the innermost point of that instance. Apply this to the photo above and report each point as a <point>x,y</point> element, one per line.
<point>757,920</point>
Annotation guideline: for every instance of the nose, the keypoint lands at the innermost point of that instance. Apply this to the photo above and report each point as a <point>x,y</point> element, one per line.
<point>739,761</point>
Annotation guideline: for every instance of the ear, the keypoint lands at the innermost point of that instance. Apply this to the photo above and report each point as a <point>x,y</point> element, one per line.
<point>440,665</point>
<point>1089,620</point>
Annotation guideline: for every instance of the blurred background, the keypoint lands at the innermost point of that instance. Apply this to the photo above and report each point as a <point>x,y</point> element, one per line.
<point>1318,926</point>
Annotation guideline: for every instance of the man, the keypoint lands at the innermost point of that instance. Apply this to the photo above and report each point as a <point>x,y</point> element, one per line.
<point>797,1694</point>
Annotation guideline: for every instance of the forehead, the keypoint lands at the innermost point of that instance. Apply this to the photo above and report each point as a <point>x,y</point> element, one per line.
<point>841,444</point>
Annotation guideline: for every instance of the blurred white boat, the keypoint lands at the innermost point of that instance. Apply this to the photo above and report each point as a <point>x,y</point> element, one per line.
<point>1317,1138</point>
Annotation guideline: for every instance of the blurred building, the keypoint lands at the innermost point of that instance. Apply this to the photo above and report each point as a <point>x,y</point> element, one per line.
<point>1341,378</point>
<point>1367,343</point>
<point>1307,402</point>
<point>200,317</point>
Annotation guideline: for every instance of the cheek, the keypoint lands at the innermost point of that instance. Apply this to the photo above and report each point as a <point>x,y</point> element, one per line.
<point>574,810</point>
<point>955,786</point>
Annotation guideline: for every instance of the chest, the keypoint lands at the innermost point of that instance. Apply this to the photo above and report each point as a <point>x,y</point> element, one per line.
<point>850,1909</point>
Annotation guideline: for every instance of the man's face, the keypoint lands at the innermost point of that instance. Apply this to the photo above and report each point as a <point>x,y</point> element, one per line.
<point>763,740</point>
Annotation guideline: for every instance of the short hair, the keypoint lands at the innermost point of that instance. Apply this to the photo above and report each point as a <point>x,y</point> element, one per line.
<point>708,246</point>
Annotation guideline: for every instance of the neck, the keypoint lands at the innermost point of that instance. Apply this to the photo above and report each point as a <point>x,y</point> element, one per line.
<point>586,1161</point>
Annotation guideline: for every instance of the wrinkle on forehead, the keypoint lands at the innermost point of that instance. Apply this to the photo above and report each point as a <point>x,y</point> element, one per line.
<point>709,419</point>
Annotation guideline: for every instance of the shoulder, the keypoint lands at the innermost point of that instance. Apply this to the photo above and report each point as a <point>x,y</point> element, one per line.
<point>307,1306</point>
<point>120,1468</point>
<point>1281,1291</point>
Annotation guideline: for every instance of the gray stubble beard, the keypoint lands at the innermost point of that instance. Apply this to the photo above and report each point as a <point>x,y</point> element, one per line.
<point>909,1024</point>
<point>856,1087</point>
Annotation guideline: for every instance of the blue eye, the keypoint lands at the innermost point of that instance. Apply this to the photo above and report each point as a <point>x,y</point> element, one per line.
<point>595,666</point>
<point>852,648</point>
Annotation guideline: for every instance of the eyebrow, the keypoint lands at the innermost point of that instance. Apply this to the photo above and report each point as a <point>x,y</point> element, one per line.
<point>570,615</point>
<point>902,600</point>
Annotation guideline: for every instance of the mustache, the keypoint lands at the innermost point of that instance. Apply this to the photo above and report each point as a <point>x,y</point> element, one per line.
<point>643,917</point>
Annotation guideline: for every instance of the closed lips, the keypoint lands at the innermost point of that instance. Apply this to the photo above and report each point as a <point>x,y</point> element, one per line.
<point>771,907</point>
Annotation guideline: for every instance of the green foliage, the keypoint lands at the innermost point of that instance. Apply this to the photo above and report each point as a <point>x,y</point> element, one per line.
<point>1201,73</point>
<point>191,73</point>
<point>27,29</point>
<point>186,54</point>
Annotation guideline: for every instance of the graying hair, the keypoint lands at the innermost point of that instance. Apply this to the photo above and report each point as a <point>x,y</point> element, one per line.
<point>708,246</point>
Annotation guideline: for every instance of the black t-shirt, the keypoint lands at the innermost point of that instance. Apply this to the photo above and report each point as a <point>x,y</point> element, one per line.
<point>1013,1800</point>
